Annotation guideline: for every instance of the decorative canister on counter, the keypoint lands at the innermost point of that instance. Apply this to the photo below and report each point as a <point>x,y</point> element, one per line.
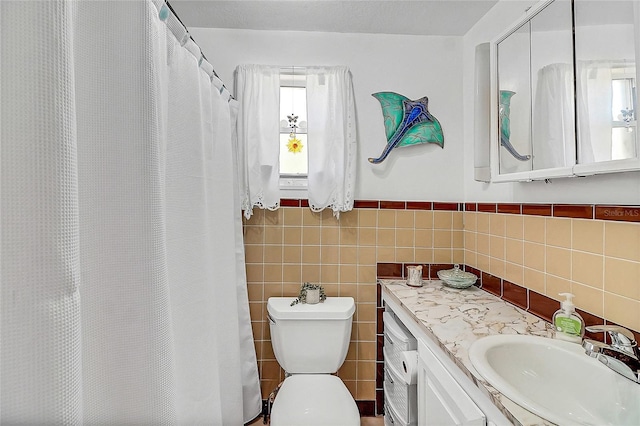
<point>414,276</point>
<point>457,278</point>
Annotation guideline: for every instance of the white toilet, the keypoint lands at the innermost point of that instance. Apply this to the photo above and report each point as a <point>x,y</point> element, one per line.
<point>311,342</point>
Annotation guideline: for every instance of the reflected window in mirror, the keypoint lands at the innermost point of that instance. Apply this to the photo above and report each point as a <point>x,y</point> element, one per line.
<point>623,116</point>
<point>606,47</point>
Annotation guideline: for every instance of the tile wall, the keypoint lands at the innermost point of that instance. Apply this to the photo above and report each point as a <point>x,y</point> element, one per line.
<point>590,251</point>
<point>525,253</point>
<point>291,245</point>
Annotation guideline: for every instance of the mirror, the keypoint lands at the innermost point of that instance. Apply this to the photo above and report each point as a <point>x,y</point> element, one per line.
<point>554,116</point>
<point>606,46</point>
<point>514,101</point>
<point>535,94</point>
<point>553,100</point>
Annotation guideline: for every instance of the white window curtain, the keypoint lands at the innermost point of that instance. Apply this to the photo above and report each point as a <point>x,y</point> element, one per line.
<point>258,92</point>
<point>123,296</point>
<point>594,111</point>
<point>331,134</point>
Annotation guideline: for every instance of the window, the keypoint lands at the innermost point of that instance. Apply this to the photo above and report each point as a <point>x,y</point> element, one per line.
<point>294,148</point>
<point>324,175</point>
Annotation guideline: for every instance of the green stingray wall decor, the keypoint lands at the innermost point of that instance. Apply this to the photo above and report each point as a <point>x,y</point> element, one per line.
<point>407,122</point>
<point>505,125</point>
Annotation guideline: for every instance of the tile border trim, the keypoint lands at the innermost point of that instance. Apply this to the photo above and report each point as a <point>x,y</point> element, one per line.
<point>367,408</point>
<point>629,213</point>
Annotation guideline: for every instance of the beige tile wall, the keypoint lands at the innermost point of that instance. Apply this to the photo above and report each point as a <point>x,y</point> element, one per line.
<point>291,245</point>
<point>598,261</point>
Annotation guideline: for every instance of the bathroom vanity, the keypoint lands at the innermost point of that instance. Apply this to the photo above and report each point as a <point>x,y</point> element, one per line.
<point>444,322</point>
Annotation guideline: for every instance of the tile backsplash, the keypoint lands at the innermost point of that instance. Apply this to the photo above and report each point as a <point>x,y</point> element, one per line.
<point>521,251</point>
<point>591,251</point>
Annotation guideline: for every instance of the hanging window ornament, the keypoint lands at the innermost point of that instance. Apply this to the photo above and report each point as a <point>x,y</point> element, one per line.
<point>293,122</point>
<point>294,144</point>
<point>627,117</point>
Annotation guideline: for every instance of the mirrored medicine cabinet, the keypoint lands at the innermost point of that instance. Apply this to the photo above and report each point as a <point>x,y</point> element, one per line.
<point>563,91</point>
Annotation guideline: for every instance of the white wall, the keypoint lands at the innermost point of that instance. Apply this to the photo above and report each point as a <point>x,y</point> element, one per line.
<point>441,68</point>
<point>413,66</point>
<point>619,188</point>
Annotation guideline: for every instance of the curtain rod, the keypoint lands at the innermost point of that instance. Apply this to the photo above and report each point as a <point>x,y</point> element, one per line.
<point>192,39</point>
<point>616,63</point>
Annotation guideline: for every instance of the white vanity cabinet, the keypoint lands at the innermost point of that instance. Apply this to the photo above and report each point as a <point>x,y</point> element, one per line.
<point>445,394</point>
<point>441,400</point>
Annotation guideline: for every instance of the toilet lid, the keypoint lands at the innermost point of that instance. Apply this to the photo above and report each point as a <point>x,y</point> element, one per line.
<point>314,399</point>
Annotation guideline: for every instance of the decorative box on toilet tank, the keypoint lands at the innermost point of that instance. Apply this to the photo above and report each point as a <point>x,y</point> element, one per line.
<point>400,392</point>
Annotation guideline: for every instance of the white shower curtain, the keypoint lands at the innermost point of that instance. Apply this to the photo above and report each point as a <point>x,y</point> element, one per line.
<point>553,118</point>
<point>122,282</point>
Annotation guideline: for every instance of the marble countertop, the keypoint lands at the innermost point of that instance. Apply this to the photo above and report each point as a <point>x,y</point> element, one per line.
<point>455,319</point>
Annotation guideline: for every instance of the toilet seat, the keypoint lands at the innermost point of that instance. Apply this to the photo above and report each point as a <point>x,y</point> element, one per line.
<point>314,399</point>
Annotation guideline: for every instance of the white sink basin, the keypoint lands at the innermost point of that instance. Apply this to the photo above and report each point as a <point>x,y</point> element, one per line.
<point>556,380</point>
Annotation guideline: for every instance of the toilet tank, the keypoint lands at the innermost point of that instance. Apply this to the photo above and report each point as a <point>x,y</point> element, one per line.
<point>311,339</point>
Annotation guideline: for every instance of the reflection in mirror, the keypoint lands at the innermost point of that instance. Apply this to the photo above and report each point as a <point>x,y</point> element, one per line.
<point>607,43</point>
<point>623,117</point>
<point>536,92</point>
<point>553,132</point>
<point>504,114</point>
<point>514,101</point>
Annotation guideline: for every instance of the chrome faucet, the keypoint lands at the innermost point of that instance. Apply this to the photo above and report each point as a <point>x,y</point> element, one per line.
<point>622,355</point>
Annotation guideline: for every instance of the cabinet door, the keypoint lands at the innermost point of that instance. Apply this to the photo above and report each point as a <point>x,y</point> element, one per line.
<point>533,96</point>
<point>441,401</point>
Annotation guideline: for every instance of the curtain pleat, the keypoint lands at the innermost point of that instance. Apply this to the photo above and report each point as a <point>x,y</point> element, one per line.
<point>40,344</point>
<point>333,138</point>
<point>553,118</point>
<point>258,92</point>
<point>594,99</point>
<point>252,395</point>
<point>190,237</point>
<point>127,352</point>
<point>122,297</point>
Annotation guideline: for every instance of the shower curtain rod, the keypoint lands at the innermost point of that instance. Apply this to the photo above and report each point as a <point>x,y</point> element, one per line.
<point>192,39</point>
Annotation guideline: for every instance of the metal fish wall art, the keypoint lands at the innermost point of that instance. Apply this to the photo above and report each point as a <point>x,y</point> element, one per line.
<point>407,122</point>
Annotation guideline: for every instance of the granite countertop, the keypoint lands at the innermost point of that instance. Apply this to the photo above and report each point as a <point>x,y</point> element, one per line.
<point>456,318</point>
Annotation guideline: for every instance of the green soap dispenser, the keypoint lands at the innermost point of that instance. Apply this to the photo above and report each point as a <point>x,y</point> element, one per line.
<point>568,323</point>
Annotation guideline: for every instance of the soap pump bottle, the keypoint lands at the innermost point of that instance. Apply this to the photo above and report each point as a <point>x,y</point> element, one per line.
<point>568,324</point>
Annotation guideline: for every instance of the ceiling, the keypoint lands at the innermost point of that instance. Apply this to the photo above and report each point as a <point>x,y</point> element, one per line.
<point>415,17</point>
